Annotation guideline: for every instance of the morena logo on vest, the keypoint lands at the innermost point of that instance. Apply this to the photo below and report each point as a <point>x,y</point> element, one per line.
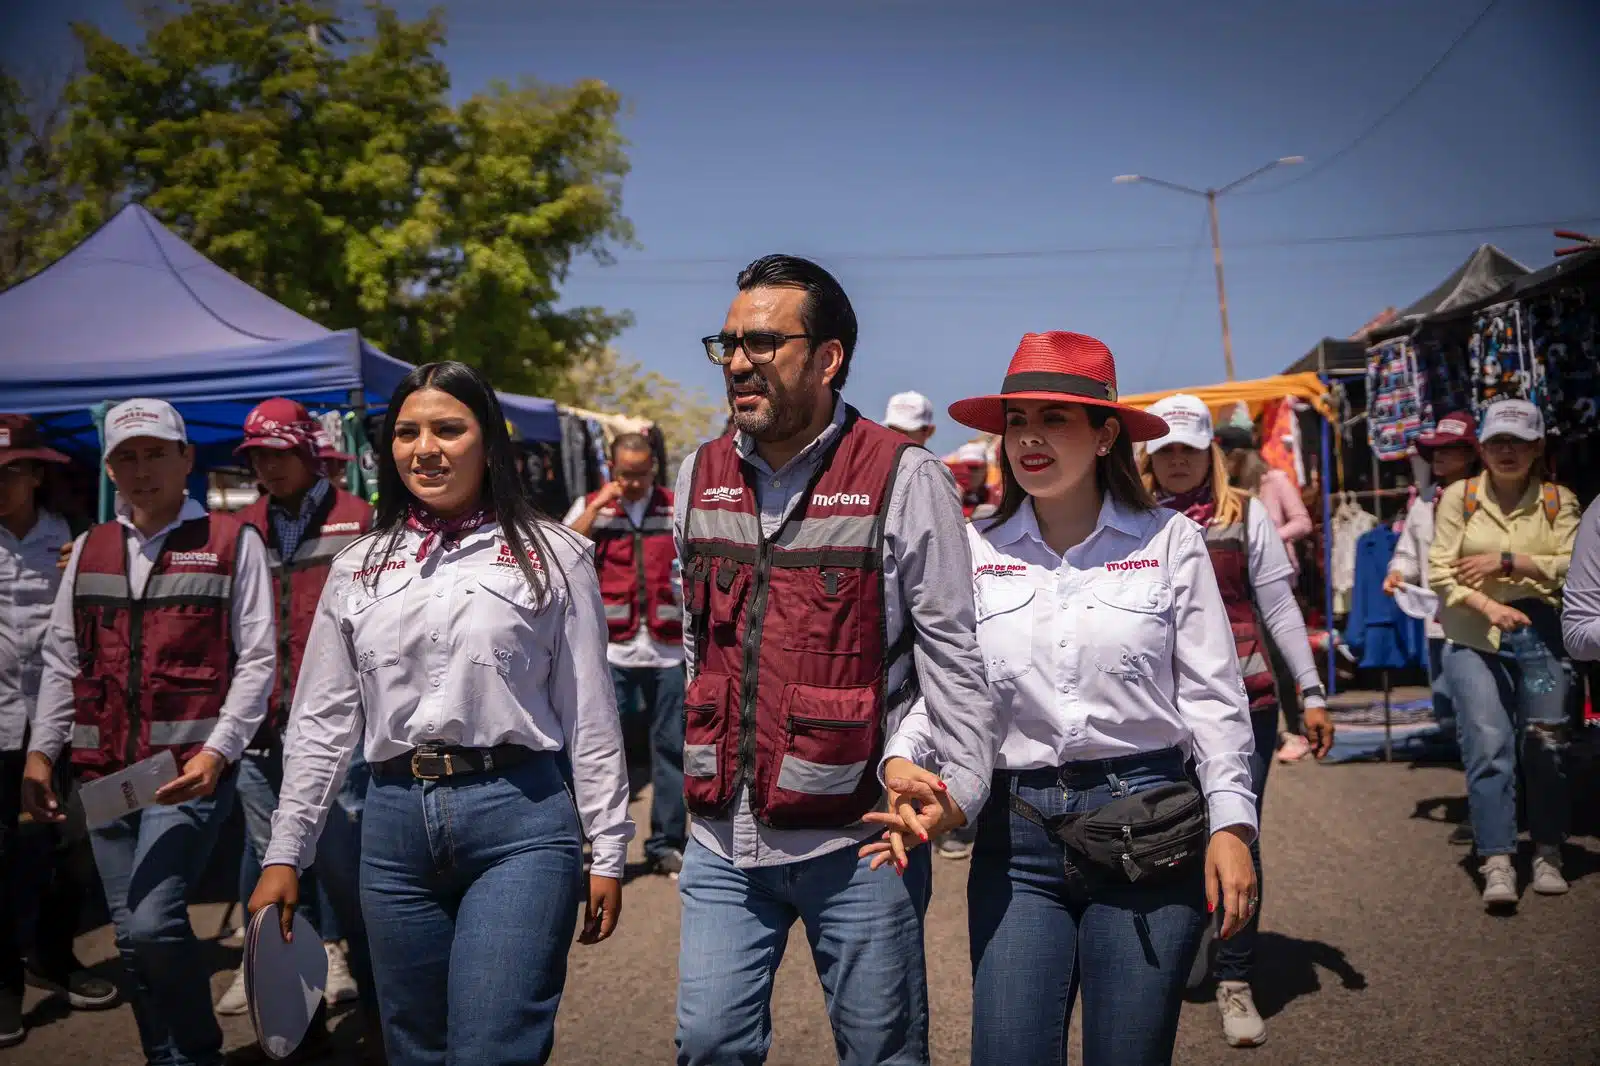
<point>842,499</point>
<point>192,559</point>
<point>342,527</point>
<point>722,494</point>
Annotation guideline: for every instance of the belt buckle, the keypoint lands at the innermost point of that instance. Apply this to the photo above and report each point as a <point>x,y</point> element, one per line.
<point>419,755</point>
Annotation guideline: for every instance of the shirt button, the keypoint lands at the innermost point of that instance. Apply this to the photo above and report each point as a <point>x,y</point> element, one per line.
<point>776,483</point>
<point>1063,644</point>
<point>439,593</point>
<point>430,727</point>
<point>435,683</point>
<point>434,635</point>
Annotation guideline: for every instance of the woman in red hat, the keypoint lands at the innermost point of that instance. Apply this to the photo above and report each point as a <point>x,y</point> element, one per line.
<point>1121,808</point>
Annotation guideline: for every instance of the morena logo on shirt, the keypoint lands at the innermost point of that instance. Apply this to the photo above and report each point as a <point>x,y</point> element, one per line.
<point>193,559</point>
<point>1134,564</point>
<point>722,494</point>
<point>392,564</point>
<point>841,499</point>
<point>1000,570</point>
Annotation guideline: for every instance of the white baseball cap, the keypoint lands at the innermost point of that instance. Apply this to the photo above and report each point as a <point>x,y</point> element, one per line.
<point>909,411</point>
<point>1512,418</point>
<point>973,452</point>
<point>1188,421</point>
<point>143,418</point>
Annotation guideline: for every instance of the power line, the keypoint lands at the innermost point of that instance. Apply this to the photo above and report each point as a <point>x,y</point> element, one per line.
<point>1113,249</point>
<point>1405,98</point>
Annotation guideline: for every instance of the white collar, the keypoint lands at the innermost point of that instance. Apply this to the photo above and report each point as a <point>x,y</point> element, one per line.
<point>1025,523</point>
<point>190,510</point>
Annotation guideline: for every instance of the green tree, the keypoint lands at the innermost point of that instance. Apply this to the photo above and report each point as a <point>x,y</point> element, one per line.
<point>607,382</point>
<point>320,160</point>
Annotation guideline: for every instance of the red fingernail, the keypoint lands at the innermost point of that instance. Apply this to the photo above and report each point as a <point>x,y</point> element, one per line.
<point>923,835</point>
<point>1210,908</point>
<point>942,786</point>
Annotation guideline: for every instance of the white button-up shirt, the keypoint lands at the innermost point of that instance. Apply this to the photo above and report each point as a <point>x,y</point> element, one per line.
<point>250,619</point>
<point>29,578</point>
<point>456,650</point>
<point>1121,646</point>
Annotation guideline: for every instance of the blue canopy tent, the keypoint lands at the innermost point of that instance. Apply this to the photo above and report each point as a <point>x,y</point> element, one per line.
<point>134,311</point>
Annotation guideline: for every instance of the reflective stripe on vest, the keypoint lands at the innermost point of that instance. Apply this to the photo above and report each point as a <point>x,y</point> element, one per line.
<point>157,587</point>
<point>173,734</point>
<point>86,736</point>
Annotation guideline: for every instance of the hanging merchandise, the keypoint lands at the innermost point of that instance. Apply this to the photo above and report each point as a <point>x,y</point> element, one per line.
<point>1502,365</point>
<point>600,469</point>
<point>574,455</point>
<point>1384,636</point>
<point>1444,381</point>
<point>1564,334</point>
<point>1350,523</point>
<point>1394,410</point>
<point>1278,435</point>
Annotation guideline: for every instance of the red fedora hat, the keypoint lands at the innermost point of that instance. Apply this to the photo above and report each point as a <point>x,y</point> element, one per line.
<point>1069,367</point>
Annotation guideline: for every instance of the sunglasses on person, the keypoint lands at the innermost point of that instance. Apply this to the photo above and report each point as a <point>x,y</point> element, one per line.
<point>760,345</point>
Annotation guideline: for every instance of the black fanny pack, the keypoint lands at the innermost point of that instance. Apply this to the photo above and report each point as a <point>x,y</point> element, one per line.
<point>1144,837</point>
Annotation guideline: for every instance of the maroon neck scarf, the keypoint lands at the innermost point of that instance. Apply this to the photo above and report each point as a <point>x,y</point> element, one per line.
<point>443,531</point>
<point>1198,503</point>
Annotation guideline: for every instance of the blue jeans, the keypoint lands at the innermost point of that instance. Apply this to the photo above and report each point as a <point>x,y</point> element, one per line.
<point>1496,716</point>
<point>1444,706</point>
<point>1237,955</point>
<point>338,865</point>
<point>470,890</point>
<point>865,929</point>
<point>1037,938</point>
<point>660,694</point>
<point>260,780</point>
<point>148,862</point>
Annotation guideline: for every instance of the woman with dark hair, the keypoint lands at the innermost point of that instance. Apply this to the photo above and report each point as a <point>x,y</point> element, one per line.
<point>1112,668</point>
<point>1502,545</point>
<point>462,643</point>
<point>1186,471</point>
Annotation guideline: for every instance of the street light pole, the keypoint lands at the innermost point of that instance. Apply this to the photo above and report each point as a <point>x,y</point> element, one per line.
<point>1210,197</point>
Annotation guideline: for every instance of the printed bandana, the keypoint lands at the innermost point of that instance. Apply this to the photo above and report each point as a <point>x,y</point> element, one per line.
<point>1198,504</point>
<point>443,531</point>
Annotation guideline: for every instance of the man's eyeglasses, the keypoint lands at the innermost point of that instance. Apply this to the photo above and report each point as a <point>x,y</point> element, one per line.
<point>759,345</point>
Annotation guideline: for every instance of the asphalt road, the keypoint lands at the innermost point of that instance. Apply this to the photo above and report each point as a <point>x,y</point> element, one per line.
<point>1375,950</point>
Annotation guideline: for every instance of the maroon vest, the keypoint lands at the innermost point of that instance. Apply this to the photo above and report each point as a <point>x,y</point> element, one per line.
<point>337,523</point>
<point>635,568</point>
<point>153,671</point>
<point>791,658</point>
<point>1230,558</point>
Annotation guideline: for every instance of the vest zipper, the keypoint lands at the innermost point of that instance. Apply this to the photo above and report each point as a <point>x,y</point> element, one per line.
<point>825,723</point>
<point>135,664</point>
<point>752,662</point>
<point>643,591</point>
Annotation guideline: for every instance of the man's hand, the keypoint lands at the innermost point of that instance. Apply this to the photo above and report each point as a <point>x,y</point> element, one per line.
<point>1393,582</point>
<point>1317,728</point>
<point>38,792</point>
<point>199,778</point>
<point>1474,570</point>
<point>609,493</point>
<point>603,909</point>
<point>920,809</point>
<point>65,556</point>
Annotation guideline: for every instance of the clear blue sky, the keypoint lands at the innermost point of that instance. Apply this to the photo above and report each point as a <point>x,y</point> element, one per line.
<point>858,131</point>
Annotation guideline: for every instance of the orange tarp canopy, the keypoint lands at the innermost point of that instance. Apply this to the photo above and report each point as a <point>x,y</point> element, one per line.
<point>1255,394</point>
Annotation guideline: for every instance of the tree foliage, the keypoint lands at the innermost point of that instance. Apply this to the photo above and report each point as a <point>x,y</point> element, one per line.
<point>321,160</point>
<point>608,382</point>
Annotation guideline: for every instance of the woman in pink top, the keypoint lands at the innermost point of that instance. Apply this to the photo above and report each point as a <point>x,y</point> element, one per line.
<point>1249,472</point>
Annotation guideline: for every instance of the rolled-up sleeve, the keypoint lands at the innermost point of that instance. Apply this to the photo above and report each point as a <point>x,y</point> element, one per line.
<point>1580,615</point>
<point>1209,690</point>
<point>928,536</point>
<point>51,725</point>
<point>253,626</point>
<point>326,724</point>
<point>583,697</point>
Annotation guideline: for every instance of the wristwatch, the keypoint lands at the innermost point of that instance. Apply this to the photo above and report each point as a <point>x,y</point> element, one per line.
<point>1508,563</point>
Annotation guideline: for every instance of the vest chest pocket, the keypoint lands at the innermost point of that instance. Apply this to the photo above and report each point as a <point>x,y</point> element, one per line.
<point>1130,635</point>
<point>819,611</point>
<point>1005,628</point>
<point>374,617</point>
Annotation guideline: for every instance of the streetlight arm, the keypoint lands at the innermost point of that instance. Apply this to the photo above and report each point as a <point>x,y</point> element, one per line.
<point>1288,160</point>
<point>1175,187</point>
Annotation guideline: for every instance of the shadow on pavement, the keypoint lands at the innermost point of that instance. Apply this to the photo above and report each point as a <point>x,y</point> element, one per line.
<point>1286,969</point>
<point>55,1008</point>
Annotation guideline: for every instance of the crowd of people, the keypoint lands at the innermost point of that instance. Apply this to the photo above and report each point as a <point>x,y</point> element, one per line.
<point>852,654</point>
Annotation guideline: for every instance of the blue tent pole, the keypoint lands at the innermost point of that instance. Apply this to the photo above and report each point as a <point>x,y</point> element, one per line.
<point>1327,546</point>
<point>98,412</point>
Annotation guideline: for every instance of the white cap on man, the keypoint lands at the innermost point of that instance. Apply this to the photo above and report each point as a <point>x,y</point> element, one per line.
<point>908,412</point>
<point>143,418</point>
<point>1188,420</point>
<point>1512,418</point>
<point>973,453</point>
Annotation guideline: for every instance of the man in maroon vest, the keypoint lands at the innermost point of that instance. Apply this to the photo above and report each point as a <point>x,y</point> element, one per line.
<point>160,642</point>
<point>826,574</point>
<point>306,520</point>
<point>630,522</point>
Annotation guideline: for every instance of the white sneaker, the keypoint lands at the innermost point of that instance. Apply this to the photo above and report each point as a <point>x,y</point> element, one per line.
<point>1241,1022</point>
<point>234,1001</point>
<point>1547,879</point>
<point>341,986</point>
<point>1499,881</point>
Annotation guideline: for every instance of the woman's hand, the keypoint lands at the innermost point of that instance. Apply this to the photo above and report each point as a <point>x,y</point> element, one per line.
<point>1506,619</point>
<point>1230,878</point>
<point>1392,582</point>
<point>1317,728</point>
<point>920,809</point>
<point>1474,570</point>
<point>281,885</point>
<point>604,908</point>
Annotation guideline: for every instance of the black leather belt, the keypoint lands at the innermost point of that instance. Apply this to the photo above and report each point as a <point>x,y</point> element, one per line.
<point>432,763</point>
